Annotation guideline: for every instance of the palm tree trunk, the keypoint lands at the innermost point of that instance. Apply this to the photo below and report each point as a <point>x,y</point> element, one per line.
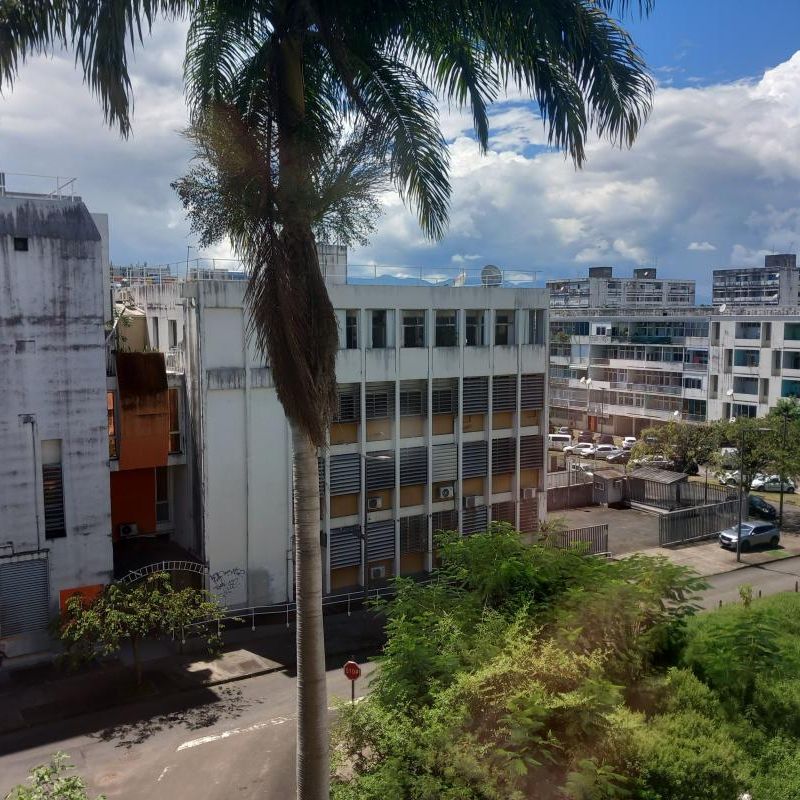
<point>313,772</point>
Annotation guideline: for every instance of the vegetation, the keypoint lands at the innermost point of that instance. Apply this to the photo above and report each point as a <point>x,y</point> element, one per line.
<point>148,609</point>
<point>532,672</point>
<point>52,782</point>
<point>688,446</point>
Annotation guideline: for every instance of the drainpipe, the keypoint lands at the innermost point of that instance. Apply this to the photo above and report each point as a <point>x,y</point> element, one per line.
<point>30,419</point>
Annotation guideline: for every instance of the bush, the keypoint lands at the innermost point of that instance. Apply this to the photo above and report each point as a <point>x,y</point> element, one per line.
<point>52,782</point>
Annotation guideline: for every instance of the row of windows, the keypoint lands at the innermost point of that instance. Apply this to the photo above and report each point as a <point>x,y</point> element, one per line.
<point>446,333</point>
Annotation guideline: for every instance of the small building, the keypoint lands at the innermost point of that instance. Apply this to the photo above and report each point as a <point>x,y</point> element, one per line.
<point>656,488</point>
<point>609,486</point>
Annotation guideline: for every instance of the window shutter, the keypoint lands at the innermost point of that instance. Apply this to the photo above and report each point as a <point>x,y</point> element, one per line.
<point>474,520</point>
<point>380,474</point>
<point>475,459</point>
<point>504,393</point>
<point>345,546</point>
<point>413,466</point>
<point>503,455</point>
<point>345,473</point>
<point>380,538</point>
<point>476,395</point>
<point>445,462</point>
<point>532,392</point>
<point>445,520</point>
<point>531,452</point>
<point>53,485</point>
<point>413,534</point>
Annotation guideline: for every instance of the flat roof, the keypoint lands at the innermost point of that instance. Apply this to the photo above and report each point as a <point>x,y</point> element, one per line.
<point>658,475</point>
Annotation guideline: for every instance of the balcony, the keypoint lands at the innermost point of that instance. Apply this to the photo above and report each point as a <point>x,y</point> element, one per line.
<point>646,387</point>
<point>174,360</point>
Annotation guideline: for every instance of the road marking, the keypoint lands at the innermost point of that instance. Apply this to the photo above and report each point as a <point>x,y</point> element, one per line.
<point>233,732</point>
<point>163,773</point>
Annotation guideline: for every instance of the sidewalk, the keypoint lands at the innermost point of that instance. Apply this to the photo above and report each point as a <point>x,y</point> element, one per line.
<point>45,693</point>
<point>708,558</point>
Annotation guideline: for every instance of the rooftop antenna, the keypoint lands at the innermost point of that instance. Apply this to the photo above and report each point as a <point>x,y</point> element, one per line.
<point>491,275</point>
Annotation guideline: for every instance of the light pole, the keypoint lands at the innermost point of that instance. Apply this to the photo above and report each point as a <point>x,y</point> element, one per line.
<point>783,455</point>
<point>365,552</point>
<point>587,382</point>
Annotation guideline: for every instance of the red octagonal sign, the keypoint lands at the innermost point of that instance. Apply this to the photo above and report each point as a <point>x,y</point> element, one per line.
<point>352,670</point>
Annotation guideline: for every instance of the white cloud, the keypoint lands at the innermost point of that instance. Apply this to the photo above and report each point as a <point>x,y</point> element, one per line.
<point>715,164</point>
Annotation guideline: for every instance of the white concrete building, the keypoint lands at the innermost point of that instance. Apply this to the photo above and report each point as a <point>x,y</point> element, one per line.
<point>54,496</point>
<point>776,284</point>
<point>602,289</point>
<point>440,423</point>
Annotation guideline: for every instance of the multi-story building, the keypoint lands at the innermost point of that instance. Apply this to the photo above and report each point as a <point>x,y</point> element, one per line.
<point>776,285</point>
<point>439,425</point>
<point>54,499</point>
<point>601,289</point>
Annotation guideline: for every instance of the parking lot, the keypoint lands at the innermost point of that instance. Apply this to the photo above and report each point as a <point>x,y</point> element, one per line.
<point>629,529</point>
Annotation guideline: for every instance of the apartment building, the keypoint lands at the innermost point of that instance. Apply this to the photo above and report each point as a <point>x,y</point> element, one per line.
<point>601,289</point>
<point>754,361</point>
<point>776,285</point>
<point>439,425</point>
<point>54,499</point>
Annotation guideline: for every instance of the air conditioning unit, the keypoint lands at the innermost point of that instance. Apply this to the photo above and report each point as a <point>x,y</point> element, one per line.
<point>374,503</point>
<point>128,529</point>
<point>528,493</point>
<point>377,573</point>
<point>471,501</point>
<point>445,493</point>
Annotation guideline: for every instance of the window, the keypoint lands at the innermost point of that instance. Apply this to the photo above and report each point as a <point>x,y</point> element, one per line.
<point>411,402</point>
<point>790,388</point>
<point>791,331</point>
<point>53,489</point>
<point>379,404</point>
<point>742,410</point>
<point>154,340</point>
<point>351,330</point>
<point>21,244</point>
<point>413,329</point>
<point>692,383</point>
<point>742,385</point>
<point>474,337</point>
<point>746,358</point>
<point>162,495</point>
<point>112,425</point>
<point>503,327</point>
<point>172,332</point>
<point>174,420</point>
<point>379,337</point>
<point>446,329</point>
<point>536,329</point>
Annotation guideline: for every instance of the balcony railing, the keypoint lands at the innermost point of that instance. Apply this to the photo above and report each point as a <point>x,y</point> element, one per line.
<point>174,359</point>
<point>646,387</point>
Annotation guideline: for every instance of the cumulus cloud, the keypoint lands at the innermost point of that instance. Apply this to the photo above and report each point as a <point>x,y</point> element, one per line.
<point>715,164</point>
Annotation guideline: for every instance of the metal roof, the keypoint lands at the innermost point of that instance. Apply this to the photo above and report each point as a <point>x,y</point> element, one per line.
<point>608,474</point>
<point>658,475</point>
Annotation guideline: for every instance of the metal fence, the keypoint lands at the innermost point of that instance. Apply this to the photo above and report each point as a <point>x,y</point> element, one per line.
<point>595,536</point>
<point>575,496</point>
<point>692,524</point>
<point>556,480</point>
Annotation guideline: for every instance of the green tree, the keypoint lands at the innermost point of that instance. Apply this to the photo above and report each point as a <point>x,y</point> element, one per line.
<point>148,609</point>
<point>686,444</point>
<point>755,444</point>
<point>52,782</point>
<point>299,67</point>
<point>784,418</point>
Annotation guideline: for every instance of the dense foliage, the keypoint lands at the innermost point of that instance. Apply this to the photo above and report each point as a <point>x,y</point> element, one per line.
<point>532,672</point>
<point>52,781</point>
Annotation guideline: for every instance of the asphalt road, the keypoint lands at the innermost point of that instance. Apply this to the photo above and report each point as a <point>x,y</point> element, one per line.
<point>237,739</point>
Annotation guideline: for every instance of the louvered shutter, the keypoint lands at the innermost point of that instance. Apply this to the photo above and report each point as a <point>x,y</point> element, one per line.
<point>503,455</point>
<point>413,534</point>
<point>531,452</point>
<point>345,473</point>
<point>348,403</point>
<point>476,395</point>
<point>475,459</point>
<point>504,393</point>
<point>413,466</point>
<point>380,474</point>
<point>474,520</point>
<point>24,596</point>
<point>380,538</point>
<point>504,512</point>
<point>445,462</point>
<point>532,392</point>
<point>345,546</point>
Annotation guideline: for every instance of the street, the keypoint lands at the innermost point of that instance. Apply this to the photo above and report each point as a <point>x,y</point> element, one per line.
<point>233,739</point>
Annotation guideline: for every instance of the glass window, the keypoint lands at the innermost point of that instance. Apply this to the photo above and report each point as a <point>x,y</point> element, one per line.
<point>172,331</point>
<point>474,333</point>
<point>446,329</point>
<point>413,329</point>
<point>791,331</point>
<point>742,385</point>
<point>693,383</point>
<point>174,420</point>
<point>162,495</point>
<point>351,330</point>
<point>790,388</point>
<point>504,327</point>
<point>379,337</point>
<point>746,358</point>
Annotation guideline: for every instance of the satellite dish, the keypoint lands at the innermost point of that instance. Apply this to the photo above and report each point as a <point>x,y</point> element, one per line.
<point>723,308</point>
<point>491,275</point>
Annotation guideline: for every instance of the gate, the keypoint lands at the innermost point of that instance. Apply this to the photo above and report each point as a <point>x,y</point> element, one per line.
<point>24,594</point>
<point>693,524</point>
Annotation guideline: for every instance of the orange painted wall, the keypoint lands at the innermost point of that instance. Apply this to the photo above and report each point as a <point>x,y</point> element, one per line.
<point>144,434</point>
<point>133,499</point>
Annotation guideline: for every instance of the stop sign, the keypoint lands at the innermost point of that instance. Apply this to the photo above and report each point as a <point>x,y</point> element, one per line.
<point>352,670</point>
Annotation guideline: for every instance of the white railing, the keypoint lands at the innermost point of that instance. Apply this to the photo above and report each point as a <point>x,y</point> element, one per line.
<point>174,359</point>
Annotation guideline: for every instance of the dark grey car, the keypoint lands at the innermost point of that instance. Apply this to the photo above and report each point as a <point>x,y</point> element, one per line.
<point>753,534</point>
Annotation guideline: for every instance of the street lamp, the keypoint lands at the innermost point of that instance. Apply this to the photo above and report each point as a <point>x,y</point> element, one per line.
<point>587,382</point>
<point>365,552</point>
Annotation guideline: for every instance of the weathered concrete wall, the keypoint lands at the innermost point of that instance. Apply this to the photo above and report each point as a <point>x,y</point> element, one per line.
<point>53,386</point>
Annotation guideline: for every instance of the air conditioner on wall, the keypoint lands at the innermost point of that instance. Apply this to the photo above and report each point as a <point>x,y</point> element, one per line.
<point>128,529</point>
<point>377,573</point>
<point>529,493</point>
<point>445,493</point>
<point>471,501</point>
<point>374,503</point>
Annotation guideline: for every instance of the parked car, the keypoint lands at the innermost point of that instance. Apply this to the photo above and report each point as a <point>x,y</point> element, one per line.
<point>605,450</point>
<point>758,507</point>
<point>771,483</point>
<point>628,442</point>
<point>580,449</point>
<point>586,436</point>
<point>606,438</point>
<point>753,534</point>
<point>620,457</point>
<point>730,478</point>
<point>657,461</point>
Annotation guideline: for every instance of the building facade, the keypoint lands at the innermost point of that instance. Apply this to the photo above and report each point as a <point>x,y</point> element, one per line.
<point>54,499</point>
<point>440,425</point>
<point>776,285</point>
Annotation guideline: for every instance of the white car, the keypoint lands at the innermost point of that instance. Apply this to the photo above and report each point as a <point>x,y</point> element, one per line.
<point>771,483</point>
<point>729,478</point>
<point>605,450</point>
<point>580,449</point>
<point>628,442</point>
<point>584,469</point>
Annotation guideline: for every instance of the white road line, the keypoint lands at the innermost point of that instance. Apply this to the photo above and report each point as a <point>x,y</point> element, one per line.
<point>233,732</point>
<point>163,773</point>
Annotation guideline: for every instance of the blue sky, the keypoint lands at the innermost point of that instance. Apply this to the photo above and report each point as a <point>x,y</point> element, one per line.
<point>713,180</point>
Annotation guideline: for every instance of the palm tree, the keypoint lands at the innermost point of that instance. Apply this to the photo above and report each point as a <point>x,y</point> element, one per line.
<point>278,77</point>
